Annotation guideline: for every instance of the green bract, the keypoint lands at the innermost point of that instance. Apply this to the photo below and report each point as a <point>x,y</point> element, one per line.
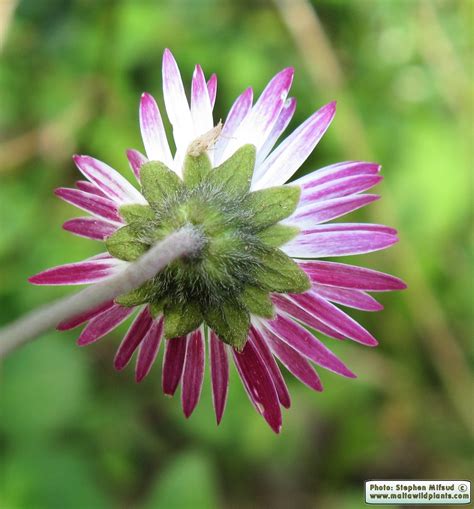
<point>239,265</point>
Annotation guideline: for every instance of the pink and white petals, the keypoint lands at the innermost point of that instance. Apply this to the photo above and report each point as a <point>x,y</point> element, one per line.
<point>88,271</point>
<point>102,324</point>
<point>340,239</point>
<point>173,363</point>
<point>282,163</point>
<point>137,331</point>
<point>89,187</point>
<point>356,299</point>
<point>284,118</point>
<point>212,89</point>
<point>239,111</point>
<point>153,132</point>
<point>258,384</point>
<point>339,188</point>
<point>219,374</point>
<point>177,106</point>
<point>91,227</point>
<point>109,181</point>
<point>267,357</point>
<point>333,317</point>
<point>84,317</point>
<point>258,124</point>
<point>97,205</point>
<point>315,212</point>
<point>336,172</point>
<point>136,160</point>
<point>149,349</point>
<point>306,344</point>
<point>288,305</point>
<point>295,363</point>
<point>193,373</point>
<point>201,109</point>
<point>350,276</point>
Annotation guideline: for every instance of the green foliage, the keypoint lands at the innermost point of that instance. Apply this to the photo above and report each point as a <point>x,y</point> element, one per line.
<point>273,204</point>
<point>123,244</point>
<point>258,302</point>
<point>73,433</point>
<point>159,183</point>
<point>231,322</point>
<point>279,273</point>
<point>181,318</point>
<point>195,169</point>
<point>235,174</point>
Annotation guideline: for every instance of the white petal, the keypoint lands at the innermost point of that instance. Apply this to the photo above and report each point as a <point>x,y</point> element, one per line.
<point>291,153</point>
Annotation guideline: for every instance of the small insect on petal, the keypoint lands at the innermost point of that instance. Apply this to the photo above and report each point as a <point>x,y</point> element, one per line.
<point>205,141</point>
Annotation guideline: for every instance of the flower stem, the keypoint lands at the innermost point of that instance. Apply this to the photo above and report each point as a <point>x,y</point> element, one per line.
<point>33,324</point>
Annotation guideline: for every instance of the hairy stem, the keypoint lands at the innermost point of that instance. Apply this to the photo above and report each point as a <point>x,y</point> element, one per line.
<point>32,325</point>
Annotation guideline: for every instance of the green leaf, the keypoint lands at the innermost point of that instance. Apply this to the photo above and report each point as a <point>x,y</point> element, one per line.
<point>180,319</point>
<point>123,244</point>
<point>231,323</point>
<point>156,307</point>
<point>279,273</point>
<point>235,174</point>
<point>136,212</point>
<point>195,169</point>
<point>271,205</point>
<point>258,302</point>
<point>158,183</point>
<point>136,297</point>
<point>278,234</point>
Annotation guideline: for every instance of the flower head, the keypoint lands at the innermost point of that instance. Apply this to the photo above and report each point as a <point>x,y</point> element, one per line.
<point>257,283</point>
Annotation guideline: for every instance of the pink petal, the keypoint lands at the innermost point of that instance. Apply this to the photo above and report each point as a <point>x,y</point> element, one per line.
<point>237,114</point>
<point>350,276</point>
<point>273,369</point>
<point>137,331</point>
<point>219,374</point>
<point>313,213</point>
<point>75,321</point>
<point>259,123</point>
<point>193,373</point>
<point>78,273</point>
<point>102,324</point>
<point>201,109</point>
<point>282,163</point>
<point>336,172</point>
<point>153,131</point>
<point>176,103</point>
<point>149,349</point>
<point>258,385</point>
<point>358,227</point>
<point>338,188</point>
<point>281,124</point>
<point>212,89</point>
<point>306,344</point>
<point>109,181</point>
<point>89,187</point>
<point>351,298</point>
<point>90,227</point>
<point>136,160</point>
<point>334,317</point>
<point>284,303</point>
<point>96,205</point>
<point>316,243</point>
<point>173,363</point>
<point>293,361</point>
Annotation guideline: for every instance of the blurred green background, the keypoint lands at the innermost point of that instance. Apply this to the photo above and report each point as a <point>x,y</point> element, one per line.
<point>76,434</point>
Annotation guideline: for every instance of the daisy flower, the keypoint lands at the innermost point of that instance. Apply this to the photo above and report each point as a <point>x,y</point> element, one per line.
<point>258,289</point>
